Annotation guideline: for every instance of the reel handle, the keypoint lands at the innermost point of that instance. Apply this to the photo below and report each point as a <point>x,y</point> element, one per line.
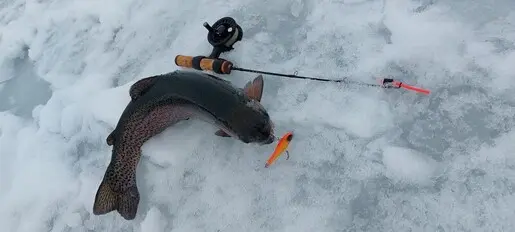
<point>203,63</point>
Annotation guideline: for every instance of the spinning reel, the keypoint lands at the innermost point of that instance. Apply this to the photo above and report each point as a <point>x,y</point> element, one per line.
<point>223,35</point>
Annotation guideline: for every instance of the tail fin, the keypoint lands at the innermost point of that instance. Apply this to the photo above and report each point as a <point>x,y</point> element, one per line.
<point>107,200</point>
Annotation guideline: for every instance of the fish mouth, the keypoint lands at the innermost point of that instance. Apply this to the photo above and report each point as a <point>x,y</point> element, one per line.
<point>270,140</point>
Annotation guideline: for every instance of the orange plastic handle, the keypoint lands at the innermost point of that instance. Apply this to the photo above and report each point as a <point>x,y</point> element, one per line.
<point>203,63</point>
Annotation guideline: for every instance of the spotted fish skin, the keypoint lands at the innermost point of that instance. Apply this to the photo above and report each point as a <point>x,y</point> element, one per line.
<point>159,102</point>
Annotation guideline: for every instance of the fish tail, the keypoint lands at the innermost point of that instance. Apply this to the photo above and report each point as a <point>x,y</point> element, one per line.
<point>107,200</point>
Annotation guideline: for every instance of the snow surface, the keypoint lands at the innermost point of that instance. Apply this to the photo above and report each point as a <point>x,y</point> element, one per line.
<point>363,159</point>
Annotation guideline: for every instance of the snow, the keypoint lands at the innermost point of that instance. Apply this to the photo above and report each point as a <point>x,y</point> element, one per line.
<point>363,159</point>
<point>405,165</point>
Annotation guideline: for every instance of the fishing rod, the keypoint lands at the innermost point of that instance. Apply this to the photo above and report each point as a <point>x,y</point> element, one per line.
<point>221,66</point>
<point>226,32</point>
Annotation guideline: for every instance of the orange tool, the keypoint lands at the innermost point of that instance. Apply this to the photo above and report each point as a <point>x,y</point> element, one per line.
<point>391,83</point>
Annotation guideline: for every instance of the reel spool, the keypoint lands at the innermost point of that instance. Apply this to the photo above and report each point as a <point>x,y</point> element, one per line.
<point>223,35</point>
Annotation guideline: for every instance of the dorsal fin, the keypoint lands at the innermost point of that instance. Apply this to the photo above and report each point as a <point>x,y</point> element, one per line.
<point>254,88</point>
<point>141,86</point>
<point>110,138</point>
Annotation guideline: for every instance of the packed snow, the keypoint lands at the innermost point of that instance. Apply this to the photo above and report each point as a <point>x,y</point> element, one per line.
<point>362,159</point>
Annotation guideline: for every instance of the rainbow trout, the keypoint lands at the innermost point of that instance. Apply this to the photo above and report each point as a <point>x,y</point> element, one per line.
<point>158,102</point>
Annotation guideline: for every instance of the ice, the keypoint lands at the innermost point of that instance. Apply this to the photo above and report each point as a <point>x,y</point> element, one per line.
<point>153,221</point>
<point>363,158</point>
<point>408,166</point>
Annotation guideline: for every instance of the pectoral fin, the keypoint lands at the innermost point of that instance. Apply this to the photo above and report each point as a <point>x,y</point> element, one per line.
<point>221,133</point>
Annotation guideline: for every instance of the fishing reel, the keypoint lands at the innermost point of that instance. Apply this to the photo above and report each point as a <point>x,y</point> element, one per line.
<point>223,35</point>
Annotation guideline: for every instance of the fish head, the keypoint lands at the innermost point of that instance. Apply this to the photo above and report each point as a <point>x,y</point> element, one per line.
<point>254,124</point>
<point>250,121</point>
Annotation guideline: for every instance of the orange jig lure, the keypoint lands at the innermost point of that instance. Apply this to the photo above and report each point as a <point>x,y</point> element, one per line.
<point>281,147</point>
